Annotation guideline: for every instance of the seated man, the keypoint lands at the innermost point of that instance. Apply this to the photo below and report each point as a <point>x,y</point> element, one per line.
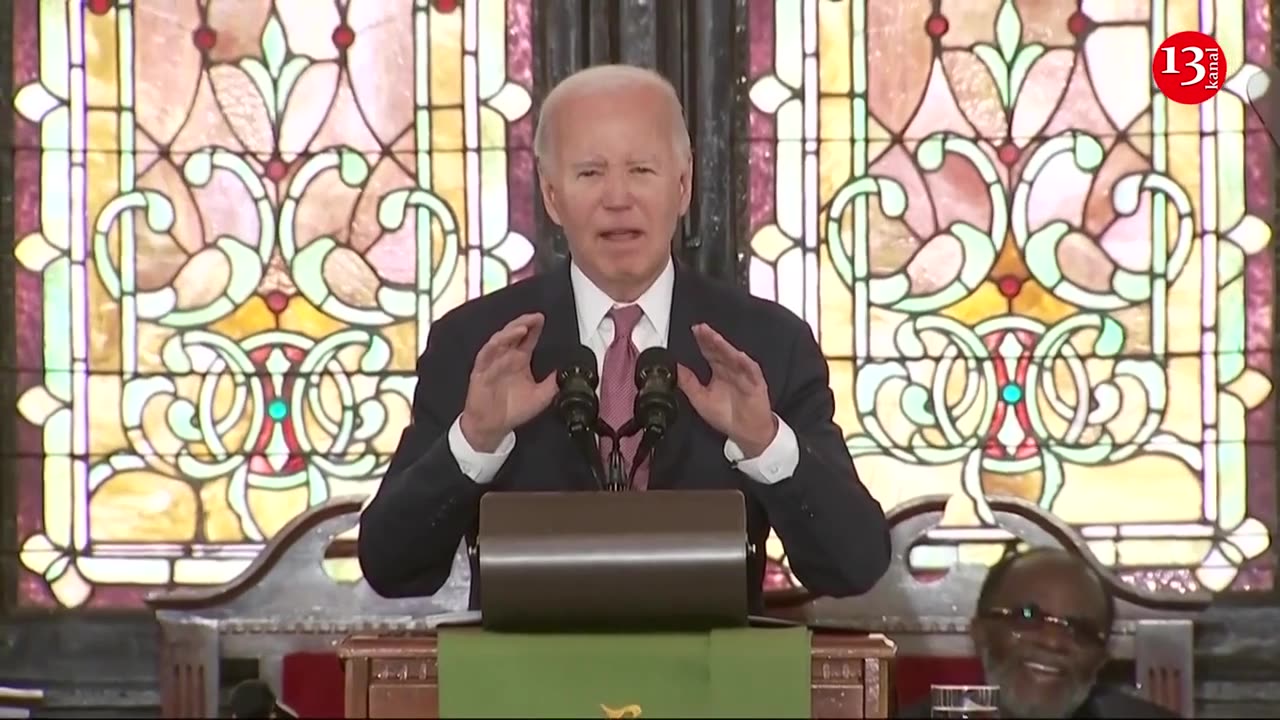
<point>1041,629</point>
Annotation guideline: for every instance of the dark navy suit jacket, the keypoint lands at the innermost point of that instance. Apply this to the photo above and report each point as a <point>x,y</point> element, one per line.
<point>834,531</point>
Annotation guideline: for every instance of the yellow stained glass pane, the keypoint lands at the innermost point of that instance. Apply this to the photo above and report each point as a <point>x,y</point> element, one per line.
<point>1012,274</point>
<point>247,223</point>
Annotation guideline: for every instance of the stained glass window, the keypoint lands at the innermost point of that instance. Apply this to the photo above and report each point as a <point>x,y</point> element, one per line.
<point>236,222</point>
<point>1032,276</point>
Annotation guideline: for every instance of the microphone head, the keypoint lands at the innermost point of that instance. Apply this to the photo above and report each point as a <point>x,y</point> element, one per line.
<point>576,399</point>
<point>655,404</point>
<point>578,362</point>
<point>656,363</point>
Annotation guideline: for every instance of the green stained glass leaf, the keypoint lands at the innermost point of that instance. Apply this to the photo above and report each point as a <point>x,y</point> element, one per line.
<point>287,79</point>
<point>495,274</point>
<point>1111,338</point>
<point>352,167</point>
<point>1008,30</point>
<point>274,46</point>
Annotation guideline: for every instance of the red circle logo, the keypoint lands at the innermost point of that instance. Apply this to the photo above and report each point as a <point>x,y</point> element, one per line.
<point>1189,67</point>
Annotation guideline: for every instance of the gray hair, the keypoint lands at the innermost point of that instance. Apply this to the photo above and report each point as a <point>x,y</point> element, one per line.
<point>599,77</point>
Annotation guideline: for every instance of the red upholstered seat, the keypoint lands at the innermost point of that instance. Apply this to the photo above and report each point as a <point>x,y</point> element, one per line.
<point>312,685</point>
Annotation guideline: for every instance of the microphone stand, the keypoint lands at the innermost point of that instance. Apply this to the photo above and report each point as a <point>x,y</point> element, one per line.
<point>617,477</point>
<point>587,445</point>
<point>613,478</point>
<point>620,478</point>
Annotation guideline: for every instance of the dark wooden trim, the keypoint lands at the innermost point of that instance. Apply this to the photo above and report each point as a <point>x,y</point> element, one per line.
<point>637,30</point>
<point>559,48</point>
<point>1268,598</point>
<point>198,598</point>
<point>23,698</point>
<point>739,243</point>
<point>712,71</point>
<point>8,330</point>
<point>1068,538</point>
<point>195,598</point>
<point>671,43</point>
<point>342,549</point>
<point>698,47</point>
<point>600,21</point>
<point>1273,597</point>
<point>1057,529</point>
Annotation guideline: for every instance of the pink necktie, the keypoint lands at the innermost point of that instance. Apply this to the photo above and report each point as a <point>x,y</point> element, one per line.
<point>618,388</point>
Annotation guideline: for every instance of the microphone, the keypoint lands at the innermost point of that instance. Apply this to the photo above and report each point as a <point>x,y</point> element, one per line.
<point>655,405</point>
<point>254,699</point>
<point>578,406</point>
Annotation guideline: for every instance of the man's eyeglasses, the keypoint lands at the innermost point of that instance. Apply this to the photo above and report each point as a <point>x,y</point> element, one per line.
<point>1084,631</point>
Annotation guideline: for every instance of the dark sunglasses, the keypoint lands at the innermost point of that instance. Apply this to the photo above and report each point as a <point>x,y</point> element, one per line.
<point>1084,631</point>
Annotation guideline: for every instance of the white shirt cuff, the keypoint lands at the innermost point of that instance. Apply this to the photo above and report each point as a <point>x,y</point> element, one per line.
<point>778,461</point>
<point>479,466</point>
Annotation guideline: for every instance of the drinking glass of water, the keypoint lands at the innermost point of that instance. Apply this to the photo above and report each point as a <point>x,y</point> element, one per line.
<point>965,701</point>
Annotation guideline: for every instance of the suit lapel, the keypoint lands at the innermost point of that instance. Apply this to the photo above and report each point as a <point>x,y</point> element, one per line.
<point>560,331</point>
<point>666,466</point>
<point>559,334</point>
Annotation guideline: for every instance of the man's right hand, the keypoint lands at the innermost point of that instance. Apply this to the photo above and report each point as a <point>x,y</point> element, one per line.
<point>502,394</point>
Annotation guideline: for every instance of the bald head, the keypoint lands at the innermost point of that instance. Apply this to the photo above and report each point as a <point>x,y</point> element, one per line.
<point>608,79</point>
<point>1041,630</point>
<point>1048,569</point>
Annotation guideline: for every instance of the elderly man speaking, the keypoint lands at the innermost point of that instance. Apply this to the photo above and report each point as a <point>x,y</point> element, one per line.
<point>616,174</point>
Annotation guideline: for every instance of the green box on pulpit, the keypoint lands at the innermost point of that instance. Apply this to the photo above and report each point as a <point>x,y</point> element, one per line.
<point>728,672</point>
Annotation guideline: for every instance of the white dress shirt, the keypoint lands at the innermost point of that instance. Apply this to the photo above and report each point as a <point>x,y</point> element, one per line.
<point>595,329</point>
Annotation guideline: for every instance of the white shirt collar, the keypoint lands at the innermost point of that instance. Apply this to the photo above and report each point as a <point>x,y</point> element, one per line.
<point>593,304</point>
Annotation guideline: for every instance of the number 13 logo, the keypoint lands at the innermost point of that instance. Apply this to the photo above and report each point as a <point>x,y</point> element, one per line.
<point>1189,67</point>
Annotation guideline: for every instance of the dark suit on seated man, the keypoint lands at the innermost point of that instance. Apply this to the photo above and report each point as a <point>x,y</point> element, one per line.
<point>1041,629</point>
<point>756,411</point>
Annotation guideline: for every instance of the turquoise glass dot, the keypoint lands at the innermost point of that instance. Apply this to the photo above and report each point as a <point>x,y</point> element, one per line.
<point>1011,393</point>
<point>277,410</point>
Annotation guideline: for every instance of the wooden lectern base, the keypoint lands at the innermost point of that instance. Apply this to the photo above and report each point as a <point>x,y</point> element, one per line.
<point>394,676</point>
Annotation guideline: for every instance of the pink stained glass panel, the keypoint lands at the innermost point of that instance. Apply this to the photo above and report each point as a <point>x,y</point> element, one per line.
<point>280,190</point>
<point>901,183</point>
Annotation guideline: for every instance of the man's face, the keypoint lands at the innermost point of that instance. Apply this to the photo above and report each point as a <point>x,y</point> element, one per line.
<point>1040,643</point>
<point>616,185</point>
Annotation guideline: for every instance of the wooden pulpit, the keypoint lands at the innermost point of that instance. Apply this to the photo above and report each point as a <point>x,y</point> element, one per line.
<point>395,676</point>
<point>645,593</point>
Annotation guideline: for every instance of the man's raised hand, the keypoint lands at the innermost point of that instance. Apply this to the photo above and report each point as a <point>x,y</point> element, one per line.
<point>502,394</point>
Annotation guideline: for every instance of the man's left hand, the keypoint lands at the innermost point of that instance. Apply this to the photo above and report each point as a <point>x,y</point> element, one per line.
<point>736,400</point>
